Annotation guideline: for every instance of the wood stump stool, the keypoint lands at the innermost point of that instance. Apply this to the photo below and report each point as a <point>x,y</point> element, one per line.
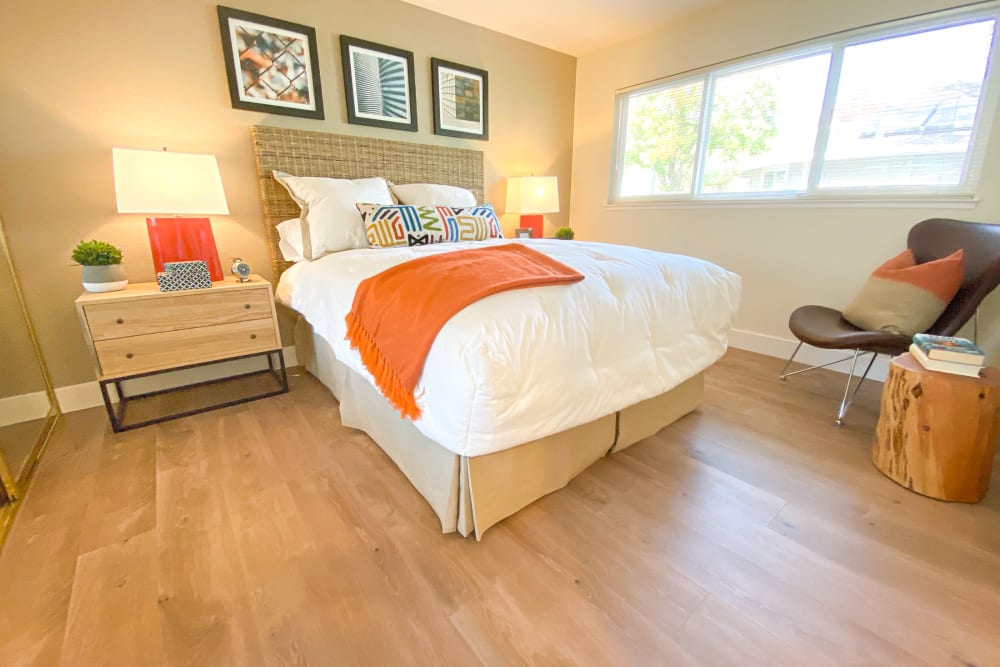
<point>937,432</point>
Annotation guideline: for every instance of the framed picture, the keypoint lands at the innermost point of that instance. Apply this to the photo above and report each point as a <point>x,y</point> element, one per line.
<point>522,233</point>
<point>378,82</point>
<point>271,64</point>
<point>461,100</point>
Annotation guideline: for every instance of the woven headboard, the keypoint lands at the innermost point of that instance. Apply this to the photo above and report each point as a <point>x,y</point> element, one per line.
<point>304,153</point>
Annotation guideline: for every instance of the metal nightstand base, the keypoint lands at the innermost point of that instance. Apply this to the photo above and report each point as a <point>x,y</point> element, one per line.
<point>117,415</point>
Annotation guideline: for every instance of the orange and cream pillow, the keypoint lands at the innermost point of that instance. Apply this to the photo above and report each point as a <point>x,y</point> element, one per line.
<point>905,297</point>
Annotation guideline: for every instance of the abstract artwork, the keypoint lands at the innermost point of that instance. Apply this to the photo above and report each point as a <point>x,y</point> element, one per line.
<point>378,83</point>
<point>461,100</point>
<point>271,64</point>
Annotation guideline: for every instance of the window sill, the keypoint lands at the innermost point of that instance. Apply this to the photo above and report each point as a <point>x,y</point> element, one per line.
<point>962,203</point>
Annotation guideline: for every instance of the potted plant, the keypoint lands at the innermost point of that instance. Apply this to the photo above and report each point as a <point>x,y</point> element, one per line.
<point>102,266</point>
<point>565,233</point>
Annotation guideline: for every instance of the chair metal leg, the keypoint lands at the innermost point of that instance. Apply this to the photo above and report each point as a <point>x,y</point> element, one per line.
<point>848,400</point>
<point>811,368</point>
<point>847,389</point>
<point>789,362</point>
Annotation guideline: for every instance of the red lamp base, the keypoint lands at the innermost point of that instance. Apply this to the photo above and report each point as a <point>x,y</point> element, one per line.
<point>183,239</point>
<point>534,223</point>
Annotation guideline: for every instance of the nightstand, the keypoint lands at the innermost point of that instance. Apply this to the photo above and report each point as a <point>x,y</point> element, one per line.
<point>140,332</point>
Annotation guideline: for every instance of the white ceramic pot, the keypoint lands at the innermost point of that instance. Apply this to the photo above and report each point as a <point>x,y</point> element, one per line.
<point>106,278</point>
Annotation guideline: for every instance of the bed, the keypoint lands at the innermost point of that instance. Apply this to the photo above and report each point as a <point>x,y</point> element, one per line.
<point>523,390</point>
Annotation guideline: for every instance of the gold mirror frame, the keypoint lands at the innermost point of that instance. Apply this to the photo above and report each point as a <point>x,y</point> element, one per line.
<point>16,487</point>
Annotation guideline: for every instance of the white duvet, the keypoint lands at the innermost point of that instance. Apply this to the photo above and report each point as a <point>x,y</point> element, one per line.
<point>524,364</point>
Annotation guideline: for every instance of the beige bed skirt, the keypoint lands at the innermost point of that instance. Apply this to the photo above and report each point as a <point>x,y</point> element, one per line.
<point>471,494</point>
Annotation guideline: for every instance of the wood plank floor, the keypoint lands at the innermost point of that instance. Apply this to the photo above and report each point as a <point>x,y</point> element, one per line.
<point>752,532</point>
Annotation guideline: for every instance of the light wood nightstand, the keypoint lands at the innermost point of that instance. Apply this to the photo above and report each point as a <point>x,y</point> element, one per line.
<point>141,331</point>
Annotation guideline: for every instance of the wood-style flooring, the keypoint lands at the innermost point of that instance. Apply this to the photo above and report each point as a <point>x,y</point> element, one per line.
<point>752,532</point>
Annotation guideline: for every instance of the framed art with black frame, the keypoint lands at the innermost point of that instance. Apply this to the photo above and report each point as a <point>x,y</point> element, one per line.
<point>272,65</point>
<point>461,100</point>
<point>378,84</point>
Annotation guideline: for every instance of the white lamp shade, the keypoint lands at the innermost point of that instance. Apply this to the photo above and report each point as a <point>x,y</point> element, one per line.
<point>532,194</point>
<point>172,183</point>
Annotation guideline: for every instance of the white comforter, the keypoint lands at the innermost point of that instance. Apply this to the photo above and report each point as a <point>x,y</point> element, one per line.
<point>528,363</point>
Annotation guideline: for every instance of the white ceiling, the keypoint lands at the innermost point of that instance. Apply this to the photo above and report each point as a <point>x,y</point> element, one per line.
<point>576,27</point>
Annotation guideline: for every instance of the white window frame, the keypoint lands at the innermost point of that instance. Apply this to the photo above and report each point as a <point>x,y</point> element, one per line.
<point>962,195</point>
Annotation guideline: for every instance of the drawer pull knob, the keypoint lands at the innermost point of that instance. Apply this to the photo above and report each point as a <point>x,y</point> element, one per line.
<point>253,336</point>
<point>120,321</point>
<point>247,306</point>
<point>129,355</point>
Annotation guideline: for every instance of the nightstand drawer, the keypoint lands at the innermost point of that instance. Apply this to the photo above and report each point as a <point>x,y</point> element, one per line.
<point>170,313</point>
<point>158,351</point>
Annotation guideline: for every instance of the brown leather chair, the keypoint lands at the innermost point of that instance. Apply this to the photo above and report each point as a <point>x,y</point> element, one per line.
<point>824,327</point>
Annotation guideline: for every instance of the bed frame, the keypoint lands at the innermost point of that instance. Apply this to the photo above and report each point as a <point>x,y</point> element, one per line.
<point>468,494</point>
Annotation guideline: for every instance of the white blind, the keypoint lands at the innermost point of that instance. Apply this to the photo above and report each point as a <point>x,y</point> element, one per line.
<point>893,110</point>
<point>906,108</point>
<point>661,140</point>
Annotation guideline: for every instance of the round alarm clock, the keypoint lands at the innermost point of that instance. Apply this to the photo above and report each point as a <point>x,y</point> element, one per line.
<point>241,270</point>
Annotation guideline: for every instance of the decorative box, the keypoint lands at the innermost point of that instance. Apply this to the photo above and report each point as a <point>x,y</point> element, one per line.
<point>198,265</point>
<point>178,276</point>
<point>182,280</point>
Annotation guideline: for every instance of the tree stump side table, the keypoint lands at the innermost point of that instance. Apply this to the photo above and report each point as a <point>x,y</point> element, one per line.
<point>937,432</point>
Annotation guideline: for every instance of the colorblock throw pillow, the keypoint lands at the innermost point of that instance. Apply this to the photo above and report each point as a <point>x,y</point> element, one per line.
<point>905,297</point>
<point>400,226</point>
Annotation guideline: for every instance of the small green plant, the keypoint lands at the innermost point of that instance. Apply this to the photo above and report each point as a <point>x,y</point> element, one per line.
<point>96,253</point>
<point>564,233</point>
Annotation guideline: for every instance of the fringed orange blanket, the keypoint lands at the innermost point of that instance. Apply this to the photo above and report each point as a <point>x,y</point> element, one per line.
<point>398,313</point>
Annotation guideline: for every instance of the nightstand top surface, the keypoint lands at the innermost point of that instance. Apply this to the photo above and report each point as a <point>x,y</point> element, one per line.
<point>151,289</point>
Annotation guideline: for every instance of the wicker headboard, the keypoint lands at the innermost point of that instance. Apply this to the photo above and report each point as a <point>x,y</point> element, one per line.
<point>304,153</point>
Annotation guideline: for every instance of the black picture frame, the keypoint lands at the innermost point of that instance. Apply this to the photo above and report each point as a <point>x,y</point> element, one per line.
<point>395,105</point>
<point>286,64</point>
<point>449,105</point>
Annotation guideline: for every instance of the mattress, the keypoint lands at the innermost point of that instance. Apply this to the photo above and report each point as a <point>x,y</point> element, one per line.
<point>522,365</point>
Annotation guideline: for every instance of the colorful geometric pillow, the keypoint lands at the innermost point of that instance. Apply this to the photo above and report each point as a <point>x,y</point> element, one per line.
<point>485,210</point>
<point>400,226</point>
<point>905,297</point>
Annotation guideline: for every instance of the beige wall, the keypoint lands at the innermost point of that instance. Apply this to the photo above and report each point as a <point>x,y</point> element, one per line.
<point>788,256</point>
<point>82,77</point>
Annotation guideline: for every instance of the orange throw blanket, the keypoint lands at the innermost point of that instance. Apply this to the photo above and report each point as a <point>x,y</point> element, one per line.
<point>398,313</point>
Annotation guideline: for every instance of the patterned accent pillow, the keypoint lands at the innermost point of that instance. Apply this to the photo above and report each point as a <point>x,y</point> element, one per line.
<point>400,226</point>
<point>485,210</point>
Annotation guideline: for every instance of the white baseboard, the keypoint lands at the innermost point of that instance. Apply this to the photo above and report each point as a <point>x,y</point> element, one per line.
<point>782,348</point>
<point>23,408</point>
<point>88,394</point>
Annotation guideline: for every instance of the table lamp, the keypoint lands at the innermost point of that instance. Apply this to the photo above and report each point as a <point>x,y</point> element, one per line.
<point>531,196</point>
<point>175,184</point>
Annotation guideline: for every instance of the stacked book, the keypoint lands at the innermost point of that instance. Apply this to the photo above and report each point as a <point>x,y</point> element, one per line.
<point>959,356</point>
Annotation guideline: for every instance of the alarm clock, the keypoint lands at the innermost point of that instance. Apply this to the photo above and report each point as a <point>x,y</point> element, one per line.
<point>241,270</point>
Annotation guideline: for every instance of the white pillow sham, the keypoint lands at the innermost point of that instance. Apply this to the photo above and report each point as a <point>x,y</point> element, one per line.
<point>432,194</point>
<point>290,240</point>
<point>330,221</point>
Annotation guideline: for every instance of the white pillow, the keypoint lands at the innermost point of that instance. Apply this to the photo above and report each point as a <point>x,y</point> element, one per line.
<point>330,219</point>
<point>431,194</point>
<point>290,240</point>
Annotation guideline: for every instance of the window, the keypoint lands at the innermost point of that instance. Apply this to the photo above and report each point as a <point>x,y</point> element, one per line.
<point>894,111</point>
